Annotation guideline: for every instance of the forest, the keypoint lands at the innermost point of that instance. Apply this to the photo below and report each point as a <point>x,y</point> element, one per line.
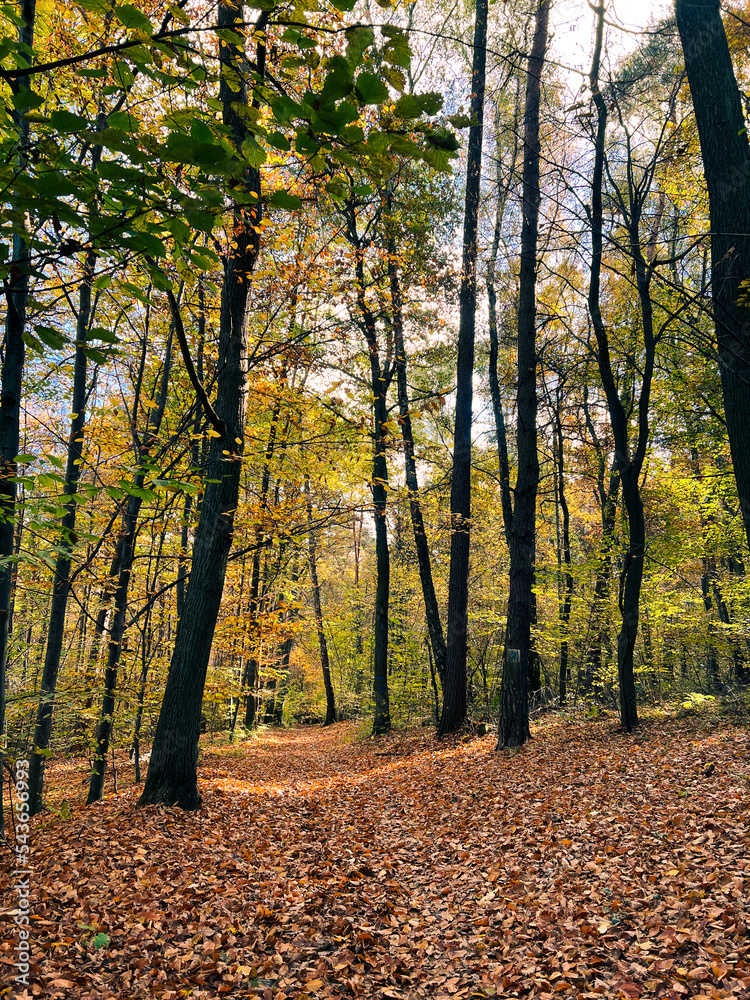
<point>374,499</point>
<point>367,363</point>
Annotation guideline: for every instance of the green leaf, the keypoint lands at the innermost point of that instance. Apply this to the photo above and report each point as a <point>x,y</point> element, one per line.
<point>282,199</point>
<point>378,142</point>
<point>443,140</point>
<point>462,121</point>
<point>279,141</point>
<point>371,89</point>
<point>122,73</point>
<point>284,109</point>
<point>353,134</point>
<point>130,17</point>
<point>339,81</point>
<point>95,355</point>
<point>66,121</point>
<point>414,105</point>
<point>202,221</point>
<point>95,6</point>
<point>52,338</point>
<point>101,940</point>
<point>358,39</point>
<point>124,120</point>
<point>396,51</point>
<point>100,333</point>
<point>253,153</point>
<point>25,100</point>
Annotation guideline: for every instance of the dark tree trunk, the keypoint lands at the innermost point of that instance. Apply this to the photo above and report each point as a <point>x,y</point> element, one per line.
<point>514,700</point>
<point>629,459</point>
<point>503,182</point>
<point>454,683</point>
<point>608,496</point>
<point>14,354</point>
<point>252,664</point>
<point>726,164</point>
<point>172,774</point>
<point>312,559</point>
<point>382,716</point>
<point>61,578</point>
<point>739,655</point>
<point>187,509</point>
<point>381,375</point>
<point>564,555</point>
<point>432,611</point>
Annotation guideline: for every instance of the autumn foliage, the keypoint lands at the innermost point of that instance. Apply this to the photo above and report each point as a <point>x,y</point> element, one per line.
<point>587,864</point>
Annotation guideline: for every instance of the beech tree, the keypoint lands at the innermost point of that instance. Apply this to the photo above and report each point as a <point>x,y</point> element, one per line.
<point>514,707</point>
<point>726,163</point>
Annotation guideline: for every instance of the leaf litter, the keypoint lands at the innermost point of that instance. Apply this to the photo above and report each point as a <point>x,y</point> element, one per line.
<point>587,864</point>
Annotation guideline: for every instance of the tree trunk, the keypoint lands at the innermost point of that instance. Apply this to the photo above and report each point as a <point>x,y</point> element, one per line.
<point>61,578</point>
<point>454,684</point>
<point>503,187</point>
<point>318,611</point>
<point>726,164</point>
<point>172,775</point>
<point>514,701</point>
<point>14,353</point>
<point>432,611</point>
<point>564,555</point>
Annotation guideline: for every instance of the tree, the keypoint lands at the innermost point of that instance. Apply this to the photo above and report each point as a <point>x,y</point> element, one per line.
<point>514,705</point>
<point>172,773</point>
<point>726,163</point>
<point>454,684</point>
<point>11,379</point>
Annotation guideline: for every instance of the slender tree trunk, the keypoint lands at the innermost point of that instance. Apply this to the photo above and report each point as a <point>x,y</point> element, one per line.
<point>14,354</point>
<point>187,509</point>
<point>61,578</point>
<point>454,684</point>
<point>565,556</point>
<point>252,664</point>
<point>628,461</point>
<point>608,497</point>
<point>172,775</point>
<point>432,611</point>
<point>382,716</point>
<point>726,164</point>
<point>312,558</point>
<point>514,701</point>
<point>503,187</point>
<point>381,375</point>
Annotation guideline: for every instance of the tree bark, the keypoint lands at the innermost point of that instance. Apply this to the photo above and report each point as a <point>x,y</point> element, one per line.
<point>172,774</point>
<point>514,700</point>
<point>312,560</point>
<point>454,684</point>
<point>381,375</point>
<point>564,554</point>
<point>726,164</point>
<point>14,356</point>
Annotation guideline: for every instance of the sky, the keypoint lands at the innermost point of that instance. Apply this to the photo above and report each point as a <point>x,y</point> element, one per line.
<point>573,22</point>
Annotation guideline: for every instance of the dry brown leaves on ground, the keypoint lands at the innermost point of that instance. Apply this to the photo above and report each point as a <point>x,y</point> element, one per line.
<point>589,864</point>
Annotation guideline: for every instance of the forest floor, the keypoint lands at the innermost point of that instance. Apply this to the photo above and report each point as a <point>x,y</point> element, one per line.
<point>587,864</point>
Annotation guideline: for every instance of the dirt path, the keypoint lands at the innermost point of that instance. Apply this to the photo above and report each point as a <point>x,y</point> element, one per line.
<point>587,865</point>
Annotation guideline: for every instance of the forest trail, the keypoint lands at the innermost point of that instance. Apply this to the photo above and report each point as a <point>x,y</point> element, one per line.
<point>587,864</point>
